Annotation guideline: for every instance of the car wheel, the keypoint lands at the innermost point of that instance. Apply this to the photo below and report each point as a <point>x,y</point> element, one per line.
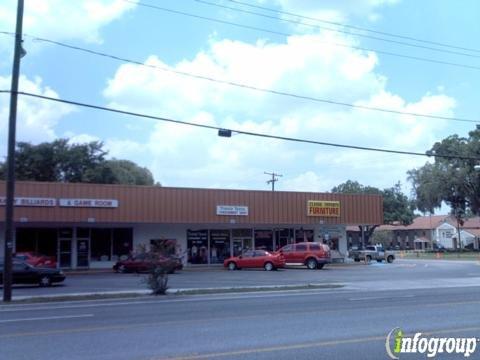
<point>320,266</point>
<point>232,266</point>
<point>312,264</point>
<point>390,259</point>
<point>356,260</point>
<point>268,266</point>
<point>45,281</point>
<point>368,258</point>
<point>122,269</point>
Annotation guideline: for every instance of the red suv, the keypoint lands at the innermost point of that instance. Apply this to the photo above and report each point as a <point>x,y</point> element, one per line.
<point>313,255</point>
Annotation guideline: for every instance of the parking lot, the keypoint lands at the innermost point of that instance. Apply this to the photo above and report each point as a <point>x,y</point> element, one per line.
<point>402,274</point>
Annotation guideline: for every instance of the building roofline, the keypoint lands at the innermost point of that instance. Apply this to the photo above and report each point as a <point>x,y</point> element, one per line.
<point>79,184</point>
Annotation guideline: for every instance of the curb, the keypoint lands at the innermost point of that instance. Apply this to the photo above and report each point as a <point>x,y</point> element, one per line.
<point>180,291</point>
<point>245,289</point>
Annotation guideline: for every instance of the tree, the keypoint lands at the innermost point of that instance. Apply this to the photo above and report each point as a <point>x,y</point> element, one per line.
<point>397,208</point>
<point>127,172</point>
<point>60,161</point>
<point>383,237</point>
<point>453,181</point>
<point>354,187</point>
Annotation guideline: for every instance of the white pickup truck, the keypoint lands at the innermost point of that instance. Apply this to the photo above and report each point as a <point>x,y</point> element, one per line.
<point>372,252</point>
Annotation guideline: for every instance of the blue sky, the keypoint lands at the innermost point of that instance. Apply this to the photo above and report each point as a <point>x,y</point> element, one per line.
<point>305,63</point>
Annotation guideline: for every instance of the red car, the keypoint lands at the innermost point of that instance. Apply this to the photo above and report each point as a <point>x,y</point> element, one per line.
<point>255,259</point>
<point>313,255</point>
<point>36,260</point>
<point>140,264</point>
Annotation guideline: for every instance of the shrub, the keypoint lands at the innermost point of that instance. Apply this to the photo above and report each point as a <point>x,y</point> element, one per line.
<point>161,265</point>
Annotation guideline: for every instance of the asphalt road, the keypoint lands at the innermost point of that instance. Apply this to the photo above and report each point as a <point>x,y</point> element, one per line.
<point>326,324</point>
<point>402,274</point>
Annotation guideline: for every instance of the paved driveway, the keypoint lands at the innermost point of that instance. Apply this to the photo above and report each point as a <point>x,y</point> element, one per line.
<point>401,274</point>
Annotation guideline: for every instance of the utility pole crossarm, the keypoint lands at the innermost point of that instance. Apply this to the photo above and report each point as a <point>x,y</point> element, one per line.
<point>274,178</point>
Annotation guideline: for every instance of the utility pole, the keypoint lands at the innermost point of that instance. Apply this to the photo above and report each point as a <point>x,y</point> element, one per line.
<point>10,184</point>
<point>274,179</point>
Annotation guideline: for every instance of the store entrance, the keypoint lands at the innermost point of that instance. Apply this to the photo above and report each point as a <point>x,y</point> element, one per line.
<point>240,245</point>
<point>283,237</point>
<point>65,253</point>
<point>83,246</point>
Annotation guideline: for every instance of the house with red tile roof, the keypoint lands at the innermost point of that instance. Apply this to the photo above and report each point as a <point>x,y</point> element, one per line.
<point>427,232</point>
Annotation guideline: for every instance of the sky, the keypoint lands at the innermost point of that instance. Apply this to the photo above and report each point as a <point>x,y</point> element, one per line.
<point>320,60</point>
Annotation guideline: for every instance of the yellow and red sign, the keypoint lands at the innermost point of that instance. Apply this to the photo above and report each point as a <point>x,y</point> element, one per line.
<point>323,208</point>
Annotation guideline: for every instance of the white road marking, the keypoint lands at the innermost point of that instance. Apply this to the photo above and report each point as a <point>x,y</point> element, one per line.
<point>380,297</point>
<point>47,318</point>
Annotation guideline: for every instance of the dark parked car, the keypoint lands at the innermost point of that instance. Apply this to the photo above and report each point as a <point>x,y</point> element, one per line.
<point>140,264</point>
<point>23,273</point>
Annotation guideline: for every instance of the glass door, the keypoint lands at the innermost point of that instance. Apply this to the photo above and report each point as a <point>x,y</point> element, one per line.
<point>241,245</point>
<point>283,237</point>
<point>65,236</point>
<point>65,253</point>
<point>83,258</point>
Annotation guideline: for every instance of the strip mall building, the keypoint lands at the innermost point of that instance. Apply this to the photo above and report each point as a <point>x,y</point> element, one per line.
<point>92,226</point>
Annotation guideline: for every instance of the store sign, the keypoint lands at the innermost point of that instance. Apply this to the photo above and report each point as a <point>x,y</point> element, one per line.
<point>232,210</point>
<point>323,208</point>
<point>90,203</point>
<point>30,201</point>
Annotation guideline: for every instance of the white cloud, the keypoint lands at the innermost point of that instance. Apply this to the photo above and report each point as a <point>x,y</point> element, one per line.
<point>61,19</point>
<point>307,181</point>
<point>304,64</point>
<point>79,138</point>
<point>36,118</point>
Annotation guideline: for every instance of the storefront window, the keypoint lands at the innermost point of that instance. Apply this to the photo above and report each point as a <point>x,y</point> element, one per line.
<point>264,240</point>
<point>38,240</point>
<point>333,244</point>
<point>197,243</point>
<point>242,233</point>
<point>219,246</point>
<point>283,237</point>
<point>302,235</point>
<point>83,233</point>
<point>101,244</point>
<point>122,243</point>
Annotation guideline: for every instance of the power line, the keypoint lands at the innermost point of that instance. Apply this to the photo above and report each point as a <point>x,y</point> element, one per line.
<point>355,27</point>
<point>250,133</point>
<point>246,86</point>
<point>298,22</point>
<point>243,26</point>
